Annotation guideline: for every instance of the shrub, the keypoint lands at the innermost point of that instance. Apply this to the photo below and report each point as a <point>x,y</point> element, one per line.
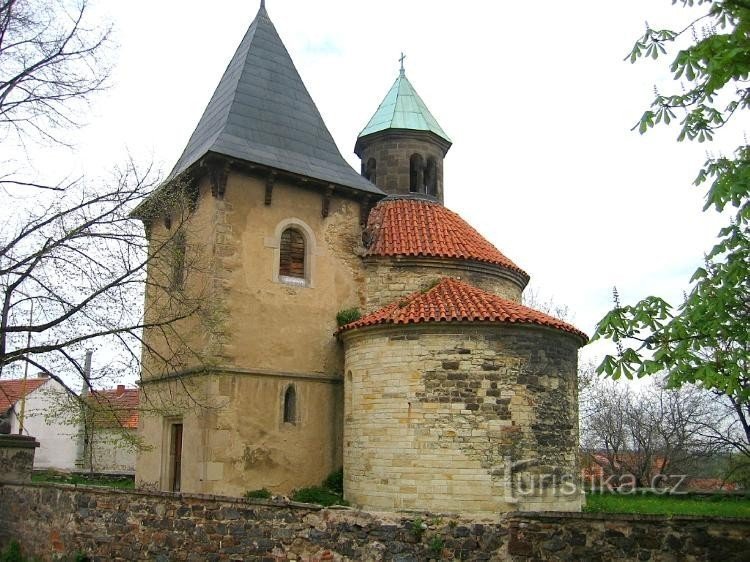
<point>262,494</point>
<point>418,528</point>
<point>317,495</point>
<point>12,553</point>
<point>348,316</point>
<point>436,544</point>
<point>335,482</point>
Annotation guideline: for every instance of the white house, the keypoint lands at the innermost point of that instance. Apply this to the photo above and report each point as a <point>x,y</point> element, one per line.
<point>58,439</point>
<point>110,433</point>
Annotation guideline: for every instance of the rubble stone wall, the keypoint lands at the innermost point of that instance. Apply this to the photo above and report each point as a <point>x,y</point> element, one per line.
<point>53,521</point>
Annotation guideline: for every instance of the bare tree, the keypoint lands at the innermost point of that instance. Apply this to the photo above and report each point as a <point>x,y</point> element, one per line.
<point>50,62</point>
<point>73,272</point>
<point>74,262</point>
<point>646,433</point>
<point>533,298</point>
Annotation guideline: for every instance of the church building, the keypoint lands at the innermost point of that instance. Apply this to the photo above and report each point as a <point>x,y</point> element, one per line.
<point>435,389</point>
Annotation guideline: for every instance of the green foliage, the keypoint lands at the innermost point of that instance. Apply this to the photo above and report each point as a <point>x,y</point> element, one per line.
<point>348,316</point>
<point>12,553</point>
<point>261,494</point>
<point>318,495</point>
<point>418,527</point>
<point>335,482</point>
<point>705,339</point>
<point>718,506</point>
<point>436,545</point>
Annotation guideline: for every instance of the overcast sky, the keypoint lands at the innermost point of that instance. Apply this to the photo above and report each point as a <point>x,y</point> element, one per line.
<point>535,96</point>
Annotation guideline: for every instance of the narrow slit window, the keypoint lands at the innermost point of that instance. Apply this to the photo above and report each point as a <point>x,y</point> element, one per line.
<point>290,405</point>
<point>292,257</point>
<point>416,173</point>
<point>371,170</point>
<point>179,247</point>
<point>430,177</point>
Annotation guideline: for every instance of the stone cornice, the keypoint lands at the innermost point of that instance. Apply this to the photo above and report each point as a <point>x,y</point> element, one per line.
<point>451,263</point>
<point>236,371</point>
<point>457,328</point>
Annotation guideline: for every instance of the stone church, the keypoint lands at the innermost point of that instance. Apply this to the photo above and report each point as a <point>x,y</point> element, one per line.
<point>439,392</point>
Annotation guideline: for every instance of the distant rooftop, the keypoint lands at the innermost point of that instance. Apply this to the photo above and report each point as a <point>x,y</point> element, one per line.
<point>12,390</point>
<point>262,113</point>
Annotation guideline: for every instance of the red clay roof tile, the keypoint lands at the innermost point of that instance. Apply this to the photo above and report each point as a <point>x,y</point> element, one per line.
<point>11,391</point>
<point>415,227</point>
<point>455,301</point>
<point>116,406</point>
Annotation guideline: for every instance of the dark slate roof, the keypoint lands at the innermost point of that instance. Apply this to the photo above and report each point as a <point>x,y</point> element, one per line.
<point>261,112</point>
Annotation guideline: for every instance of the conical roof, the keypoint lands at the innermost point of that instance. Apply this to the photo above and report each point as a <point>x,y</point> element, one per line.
<point>261,112</point>
<point>402,108</point>
<point>452,300</point>
<point>418,227</point>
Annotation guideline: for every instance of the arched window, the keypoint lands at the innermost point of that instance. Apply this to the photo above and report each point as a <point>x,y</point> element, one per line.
<point>416,173</point>
<point>430,177</point>
<point>292,257</point>
<point>370,171</point>
<point>290,405</point>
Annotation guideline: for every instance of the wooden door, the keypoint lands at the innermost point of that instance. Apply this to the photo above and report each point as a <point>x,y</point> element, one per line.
<point>176,458</point>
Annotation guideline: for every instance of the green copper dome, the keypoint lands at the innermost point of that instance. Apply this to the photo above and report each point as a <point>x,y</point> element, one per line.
<point>402,108</point>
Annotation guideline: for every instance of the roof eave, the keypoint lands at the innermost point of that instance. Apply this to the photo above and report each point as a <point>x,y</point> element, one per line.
<point>351,329</point>
<point>364,141</point>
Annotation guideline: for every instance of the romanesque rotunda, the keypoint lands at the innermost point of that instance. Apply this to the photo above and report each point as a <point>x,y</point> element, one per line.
<point>446,394</point>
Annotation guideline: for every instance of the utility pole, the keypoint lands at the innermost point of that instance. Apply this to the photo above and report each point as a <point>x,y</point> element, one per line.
<point>22,413</point>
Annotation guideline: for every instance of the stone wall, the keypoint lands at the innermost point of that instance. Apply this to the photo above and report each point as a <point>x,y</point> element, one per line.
<point>264,336</point>
<point>392,151</point>
<point>389,279</point>
<point>235,438</point>
<point>613,537</point>
<point>469,418</point>
<point>17,457</point>
<point>110,525</point>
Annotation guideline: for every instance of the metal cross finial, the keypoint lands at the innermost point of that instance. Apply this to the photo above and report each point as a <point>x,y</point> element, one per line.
<point>401,60</point>
<point>263,3</point>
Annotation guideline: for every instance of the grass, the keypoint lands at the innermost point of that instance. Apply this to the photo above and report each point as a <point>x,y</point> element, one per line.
<point>719,506</point>
<point>119,482</point>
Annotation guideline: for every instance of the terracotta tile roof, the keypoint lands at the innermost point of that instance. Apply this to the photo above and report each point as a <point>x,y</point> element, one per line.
<point>113,407</point>
<point>455,301</point>
<point>12,390</point>
<point>415,227</point>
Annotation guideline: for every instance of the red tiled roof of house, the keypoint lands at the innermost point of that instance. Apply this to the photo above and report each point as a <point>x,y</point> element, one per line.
<point>118,406</point>
<point>415,227</point>
<point>12,390</point>
<point>455,301</point>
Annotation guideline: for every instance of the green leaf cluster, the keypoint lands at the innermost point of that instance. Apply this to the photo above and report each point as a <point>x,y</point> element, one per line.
<point>706,339</point>
<point>348,316</point>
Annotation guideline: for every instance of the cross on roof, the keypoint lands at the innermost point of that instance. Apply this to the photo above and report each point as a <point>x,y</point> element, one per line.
<point>401,60</point>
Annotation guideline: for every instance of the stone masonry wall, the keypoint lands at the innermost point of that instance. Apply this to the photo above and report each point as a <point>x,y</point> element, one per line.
<point>51,521</point>
<point>461,418</point>
<point>392,152</point>
<point>389,279</point>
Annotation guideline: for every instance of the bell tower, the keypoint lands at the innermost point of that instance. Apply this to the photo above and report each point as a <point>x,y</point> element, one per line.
<point>402,147</point>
